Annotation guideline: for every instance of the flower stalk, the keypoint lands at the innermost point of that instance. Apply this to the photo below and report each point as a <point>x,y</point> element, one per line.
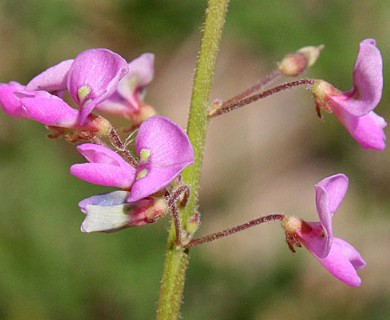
<point>177,257</point>
<point>233,230</point>
<point>237,104</point>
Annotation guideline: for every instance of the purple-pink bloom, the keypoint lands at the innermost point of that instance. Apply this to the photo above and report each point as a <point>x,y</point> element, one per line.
<point>354,108</point>
<point>336,255</point>
<point>90,78</point>
<point>367,82</point>
<point>163,150</point>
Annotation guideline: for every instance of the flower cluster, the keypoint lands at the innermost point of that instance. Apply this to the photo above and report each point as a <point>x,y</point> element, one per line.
<point>99,79</point>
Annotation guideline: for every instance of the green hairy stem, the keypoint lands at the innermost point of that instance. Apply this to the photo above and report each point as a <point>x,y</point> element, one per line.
<point>176,261</point>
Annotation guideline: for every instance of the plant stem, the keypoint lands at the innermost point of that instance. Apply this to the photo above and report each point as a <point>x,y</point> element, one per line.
<point>177,257</point>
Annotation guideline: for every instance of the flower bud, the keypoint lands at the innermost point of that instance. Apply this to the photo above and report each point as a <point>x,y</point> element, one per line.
<point>193,223</point>
<point>99,124</point>
<point>296,63</point>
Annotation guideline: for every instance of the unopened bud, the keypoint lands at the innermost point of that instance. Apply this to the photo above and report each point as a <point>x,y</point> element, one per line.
<point>312,53</point>
<point>101,125</point>
<point>156,210</point>
<point>296,63</point>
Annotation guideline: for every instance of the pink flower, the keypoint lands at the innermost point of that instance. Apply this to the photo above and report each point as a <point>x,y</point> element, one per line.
<point>163,149</point>
<point>111,212</point>
<point>354,108</point>
<point>128,99</point>
<point>90,78</point>
<point>336,255</point>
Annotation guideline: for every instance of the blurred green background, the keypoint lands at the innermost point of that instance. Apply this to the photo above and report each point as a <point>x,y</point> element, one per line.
<point>50,270</point>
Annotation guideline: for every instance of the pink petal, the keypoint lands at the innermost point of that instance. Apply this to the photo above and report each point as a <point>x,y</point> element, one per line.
<point>343,261</point>
<point>367,130</point>
<point>141,71</point>
<point>116,105</point>
<point>98,71</point>
<point>170,152</point>
<point>53,79</point>
<point>329,194</point>
<point>336,187</point>
<point>106,167</point>
<point>10,102</point>
<point>100,154</point>
<point>167,142</point>
<point>156,179</point>
<point>103,174</point>
<point>48,109</point>
<point>368,82</point>
<point>315,240</point>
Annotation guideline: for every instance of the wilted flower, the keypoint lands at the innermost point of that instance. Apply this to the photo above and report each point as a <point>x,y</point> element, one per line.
<point>111,212</point>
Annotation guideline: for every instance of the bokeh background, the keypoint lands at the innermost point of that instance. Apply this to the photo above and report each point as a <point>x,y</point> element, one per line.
<point>262,159</point>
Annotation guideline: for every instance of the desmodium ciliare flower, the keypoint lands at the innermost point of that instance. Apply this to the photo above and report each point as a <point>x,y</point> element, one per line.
<point>336,255</point>
<point>163,150</point>
<point>90,78</point>
<point>354,108</point>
